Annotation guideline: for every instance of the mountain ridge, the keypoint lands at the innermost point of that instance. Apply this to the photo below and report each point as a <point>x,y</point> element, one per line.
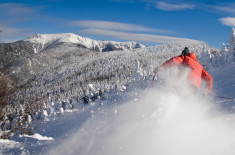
<point>102,46</point>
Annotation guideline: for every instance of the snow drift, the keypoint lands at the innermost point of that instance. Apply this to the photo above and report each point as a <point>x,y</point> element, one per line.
<point>165,120</point>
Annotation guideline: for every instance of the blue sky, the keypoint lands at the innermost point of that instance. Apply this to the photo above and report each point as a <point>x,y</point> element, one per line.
<point>150,22</point>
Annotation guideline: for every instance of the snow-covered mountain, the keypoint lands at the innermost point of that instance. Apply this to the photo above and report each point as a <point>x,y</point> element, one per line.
<point>46,40</point>
<point>27,57</point>
<point>68,73</point>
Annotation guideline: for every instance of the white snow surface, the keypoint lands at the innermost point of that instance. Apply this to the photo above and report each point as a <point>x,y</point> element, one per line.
<point>163,121</point>
<point>159,120</point>
<point>39,137</point>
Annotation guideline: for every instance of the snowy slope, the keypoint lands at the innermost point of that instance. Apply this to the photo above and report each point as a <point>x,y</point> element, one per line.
<point>82,74</point>
<point>155,122</point>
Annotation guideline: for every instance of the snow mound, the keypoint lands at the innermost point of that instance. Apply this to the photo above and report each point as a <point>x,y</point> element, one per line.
<point>38,137</point>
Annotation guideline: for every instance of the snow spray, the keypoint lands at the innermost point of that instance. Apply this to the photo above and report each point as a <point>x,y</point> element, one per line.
<point>170,120</point>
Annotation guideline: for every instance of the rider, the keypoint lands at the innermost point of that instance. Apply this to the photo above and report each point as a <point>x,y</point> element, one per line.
<point>196,73</point>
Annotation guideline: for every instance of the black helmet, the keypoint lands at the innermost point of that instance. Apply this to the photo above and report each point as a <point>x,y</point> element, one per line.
<point>185,51</point>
